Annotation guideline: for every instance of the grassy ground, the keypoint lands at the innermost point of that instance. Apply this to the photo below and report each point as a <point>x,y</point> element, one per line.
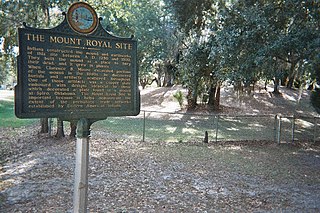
<point>183,127</point>
<point>8,118</point>
<point>126,176</point>
<point>192,177</point>
<point>170,128</point>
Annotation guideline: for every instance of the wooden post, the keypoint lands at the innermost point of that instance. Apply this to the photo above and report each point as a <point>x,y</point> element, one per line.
<point>206,139</point>
<point>80,196</point>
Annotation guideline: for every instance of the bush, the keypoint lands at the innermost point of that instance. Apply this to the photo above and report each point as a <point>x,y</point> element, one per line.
<point>179,97</point>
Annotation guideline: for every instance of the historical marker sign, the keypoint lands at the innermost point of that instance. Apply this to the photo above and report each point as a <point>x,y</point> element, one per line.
<point>76,70</point>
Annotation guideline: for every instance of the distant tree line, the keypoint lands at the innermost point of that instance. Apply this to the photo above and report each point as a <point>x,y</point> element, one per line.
<point>243,42</point>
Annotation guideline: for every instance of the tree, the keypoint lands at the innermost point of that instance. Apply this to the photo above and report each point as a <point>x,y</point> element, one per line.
<point>60,130</point>
<point>196,69</point>
<point>13,14</point>
<point>269,39</point>
<point>192,68</point>
<point>156,32</point>
<point>315,95</point>
<point>154,29</point>
<point>251,40</point>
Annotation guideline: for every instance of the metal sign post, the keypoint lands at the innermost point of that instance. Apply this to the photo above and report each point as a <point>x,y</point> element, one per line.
<point>80,196</point>
<point>76,71</point>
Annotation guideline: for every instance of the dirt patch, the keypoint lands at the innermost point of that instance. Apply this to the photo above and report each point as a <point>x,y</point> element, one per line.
<point>259,102</point>
<point>129,176</point>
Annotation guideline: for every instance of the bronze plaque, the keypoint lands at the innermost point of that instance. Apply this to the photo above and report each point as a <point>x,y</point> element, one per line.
<point>82,18</point>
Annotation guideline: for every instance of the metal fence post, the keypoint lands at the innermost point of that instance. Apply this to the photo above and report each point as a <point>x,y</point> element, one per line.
<point>144,126</point>
<point>217,127</point>
<point>277,128</point>
<point>293,127</point>
<point>315,130</point>
<point>50,126</point>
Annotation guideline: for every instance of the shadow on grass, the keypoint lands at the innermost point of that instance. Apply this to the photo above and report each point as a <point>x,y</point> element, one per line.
<point>184,127</point>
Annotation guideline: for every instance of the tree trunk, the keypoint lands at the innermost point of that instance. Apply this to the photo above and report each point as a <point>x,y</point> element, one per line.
<point>60,131</point>
<point>192,100</point>
<point>284,80</point>
<point>73,126</point>
<point>265,85</point>
<point>276,82</point>
<point>216,105</point>
<point>290,82</point>
<point>214,97</point>
<point>159,73</point>
<point>292,75</point>
<point>143,82</point>
<point>44,125</point>
<point>168,75</point>
<point>167,79</point>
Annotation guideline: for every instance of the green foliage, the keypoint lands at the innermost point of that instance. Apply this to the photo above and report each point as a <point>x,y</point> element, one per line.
<point>192,15</point>
<point>198,43</point>
<point>258,39</point>
<point>179,97</point>
<point>43,14</point>
<point>193,69</point>
<point>148,20</point>
<point>249,40</point>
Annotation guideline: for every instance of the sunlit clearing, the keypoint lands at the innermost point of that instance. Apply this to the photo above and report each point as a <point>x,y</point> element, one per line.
<point>172,139</point>
<point>171,129</point>
<point>171,106</point>
<point>232,119</point>
<point>256,125</point>
<point>189,130</point>
<point>256,111</point>
<point>176,117</point>
<point>156,115</point>
<point>313,150</point>
<point>232,129</point>
<point>268,104</point>
<point>233,148</point>
<point>305,124</point>
<point>288,97</point>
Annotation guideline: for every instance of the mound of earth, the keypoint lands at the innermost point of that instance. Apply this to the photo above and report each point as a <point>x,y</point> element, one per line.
<point>259,102</point>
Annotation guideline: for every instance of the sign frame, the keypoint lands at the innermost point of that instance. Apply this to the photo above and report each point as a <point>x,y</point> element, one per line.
<point>40,38</point>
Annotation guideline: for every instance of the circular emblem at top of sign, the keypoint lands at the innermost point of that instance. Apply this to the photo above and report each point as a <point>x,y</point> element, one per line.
<point>82,18</point>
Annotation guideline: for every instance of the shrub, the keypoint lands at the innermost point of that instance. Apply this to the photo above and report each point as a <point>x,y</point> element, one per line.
<point>179,97</point>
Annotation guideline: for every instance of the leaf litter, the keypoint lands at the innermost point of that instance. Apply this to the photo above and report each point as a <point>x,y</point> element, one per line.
<point>131,176</point>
